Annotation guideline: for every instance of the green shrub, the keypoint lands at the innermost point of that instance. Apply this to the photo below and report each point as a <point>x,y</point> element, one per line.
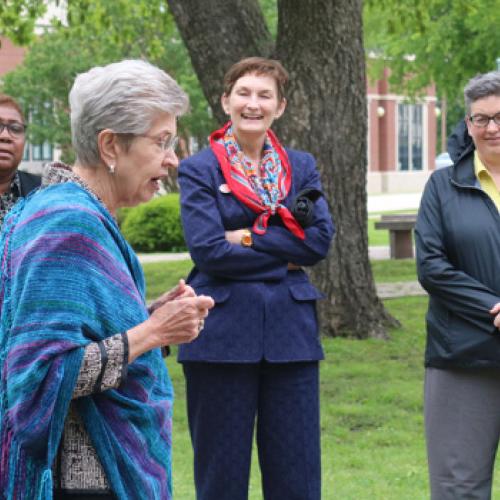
<point>121,215</point>
<point>155,226</point>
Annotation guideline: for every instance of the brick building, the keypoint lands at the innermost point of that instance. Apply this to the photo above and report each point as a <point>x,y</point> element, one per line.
<point>401,139</point>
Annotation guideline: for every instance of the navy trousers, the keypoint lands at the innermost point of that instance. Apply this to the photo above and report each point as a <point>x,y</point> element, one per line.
<point>225,400</point>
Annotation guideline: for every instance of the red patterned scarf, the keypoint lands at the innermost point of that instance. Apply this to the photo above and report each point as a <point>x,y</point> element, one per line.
<point>244,187</point>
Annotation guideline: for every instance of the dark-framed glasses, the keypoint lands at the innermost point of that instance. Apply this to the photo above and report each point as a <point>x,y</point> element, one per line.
<point>15,129</point>
<point>482,121</point>
<point>168,144</point>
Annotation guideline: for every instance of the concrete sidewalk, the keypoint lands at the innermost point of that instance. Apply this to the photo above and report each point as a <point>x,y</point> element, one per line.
<point>400,289</point>
<point>378,203</point>
<point>375,253</point>
<point>162,257</point>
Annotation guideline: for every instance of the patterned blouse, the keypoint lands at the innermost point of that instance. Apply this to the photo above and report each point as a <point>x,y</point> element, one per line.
<point>8,199</point>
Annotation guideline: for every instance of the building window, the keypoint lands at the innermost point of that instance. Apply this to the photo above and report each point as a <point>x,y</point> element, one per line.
<point>410,137</point>
<point>26,154</point>
<point>41,152</point>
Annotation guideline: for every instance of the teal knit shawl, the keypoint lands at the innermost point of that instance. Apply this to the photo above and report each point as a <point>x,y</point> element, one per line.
<point>69,278</point>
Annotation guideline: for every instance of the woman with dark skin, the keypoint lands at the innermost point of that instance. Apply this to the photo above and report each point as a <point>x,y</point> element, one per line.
<point>13,183</point>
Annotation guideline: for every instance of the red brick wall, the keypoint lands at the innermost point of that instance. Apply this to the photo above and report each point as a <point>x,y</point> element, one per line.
<point>382,126</point>
<point>10,55</point>
<point>374,133</point>
<point>432,128</point>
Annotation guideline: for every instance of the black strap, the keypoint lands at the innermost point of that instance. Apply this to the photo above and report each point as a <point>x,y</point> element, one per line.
<point>104,363</point>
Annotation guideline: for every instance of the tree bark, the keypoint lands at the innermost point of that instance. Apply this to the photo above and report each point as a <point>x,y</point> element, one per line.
<point>218,34</point>
<point>320,42</point>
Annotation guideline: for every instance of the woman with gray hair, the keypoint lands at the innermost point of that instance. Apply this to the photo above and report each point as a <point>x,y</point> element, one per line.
<point>85,397</point>
<point>458,252</point>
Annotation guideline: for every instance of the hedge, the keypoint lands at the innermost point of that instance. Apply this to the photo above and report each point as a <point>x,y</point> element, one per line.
<point>154,226</point>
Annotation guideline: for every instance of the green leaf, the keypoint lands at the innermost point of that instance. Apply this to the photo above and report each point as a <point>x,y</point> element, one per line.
<point>98,32</point>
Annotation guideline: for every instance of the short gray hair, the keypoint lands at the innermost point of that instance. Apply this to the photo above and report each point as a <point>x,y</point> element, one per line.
<point>125,97</point>
<point>481,86</point>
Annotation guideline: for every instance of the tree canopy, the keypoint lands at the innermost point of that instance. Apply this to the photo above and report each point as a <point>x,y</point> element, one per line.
<point>17,18</point>
<point>435,41</point>
<point>445,42</point>
<point>99,32</point>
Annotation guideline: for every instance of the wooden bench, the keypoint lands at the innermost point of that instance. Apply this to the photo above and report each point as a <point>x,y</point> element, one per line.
<point>400,228</point>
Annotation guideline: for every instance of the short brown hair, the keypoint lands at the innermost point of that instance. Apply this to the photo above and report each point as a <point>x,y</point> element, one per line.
<point>7,100</point>
<point>259,66</point>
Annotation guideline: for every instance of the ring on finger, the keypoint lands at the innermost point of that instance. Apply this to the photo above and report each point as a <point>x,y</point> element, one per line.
<point>201,324</point>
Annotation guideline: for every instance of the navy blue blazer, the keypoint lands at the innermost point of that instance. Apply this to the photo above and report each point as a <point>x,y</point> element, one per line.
<point>262,310</point>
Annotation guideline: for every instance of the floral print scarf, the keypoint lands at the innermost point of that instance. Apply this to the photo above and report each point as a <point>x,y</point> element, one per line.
<point>262,188</point>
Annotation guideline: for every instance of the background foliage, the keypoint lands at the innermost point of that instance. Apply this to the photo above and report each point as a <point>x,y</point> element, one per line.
<point>17,18</point>
<point>442,41</point>
<point>99,32</point>
<point>155,226</point>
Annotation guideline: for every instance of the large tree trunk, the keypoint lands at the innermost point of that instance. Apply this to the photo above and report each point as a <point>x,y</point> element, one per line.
<point>218,34</point>
<point>320,43</point>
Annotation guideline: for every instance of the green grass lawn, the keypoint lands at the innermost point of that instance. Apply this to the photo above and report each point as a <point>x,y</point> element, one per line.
<point>377,237</point>
<point>373,444</point>
<point>160,276</point>
<point>371,415</point>
<point>391,271</point>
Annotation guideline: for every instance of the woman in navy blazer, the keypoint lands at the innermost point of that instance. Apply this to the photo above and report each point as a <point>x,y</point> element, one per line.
<point>257,357</point>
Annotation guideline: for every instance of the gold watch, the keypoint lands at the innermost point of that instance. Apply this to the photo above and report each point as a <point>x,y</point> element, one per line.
<point>246,239</point>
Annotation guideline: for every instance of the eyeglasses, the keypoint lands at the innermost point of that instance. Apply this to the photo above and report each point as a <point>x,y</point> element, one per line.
<point>169,144</point>
<point>15,129</point>
<point>482,121</point>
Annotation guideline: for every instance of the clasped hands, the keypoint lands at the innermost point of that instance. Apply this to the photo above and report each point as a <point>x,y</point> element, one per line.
<point>176,317</point>
<point>179,314</point>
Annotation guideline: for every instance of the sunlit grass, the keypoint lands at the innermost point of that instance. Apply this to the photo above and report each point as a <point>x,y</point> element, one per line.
<point>160,276</point>
<point>390,271</point>
<point>371,416</point>
<point>373,444</point>
<point>371,404</point>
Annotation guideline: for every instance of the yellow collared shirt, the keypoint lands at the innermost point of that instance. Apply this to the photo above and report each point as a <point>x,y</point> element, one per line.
<point>486,181</point>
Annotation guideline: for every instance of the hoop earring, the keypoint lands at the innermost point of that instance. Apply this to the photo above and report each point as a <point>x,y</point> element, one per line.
<point>111,169</point>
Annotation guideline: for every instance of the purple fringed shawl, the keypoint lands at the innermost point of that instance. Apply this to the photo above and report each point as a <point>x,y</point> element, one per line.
<point>69,278</point>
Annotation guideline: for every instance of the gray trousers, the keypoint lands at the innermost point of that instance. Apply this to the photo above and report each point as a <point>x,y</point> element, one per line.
<point>462,425</point>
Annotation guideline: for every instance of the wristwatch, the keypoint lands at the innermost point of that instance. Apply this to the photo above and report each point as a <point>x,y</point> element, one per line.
<point>246,239</point>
